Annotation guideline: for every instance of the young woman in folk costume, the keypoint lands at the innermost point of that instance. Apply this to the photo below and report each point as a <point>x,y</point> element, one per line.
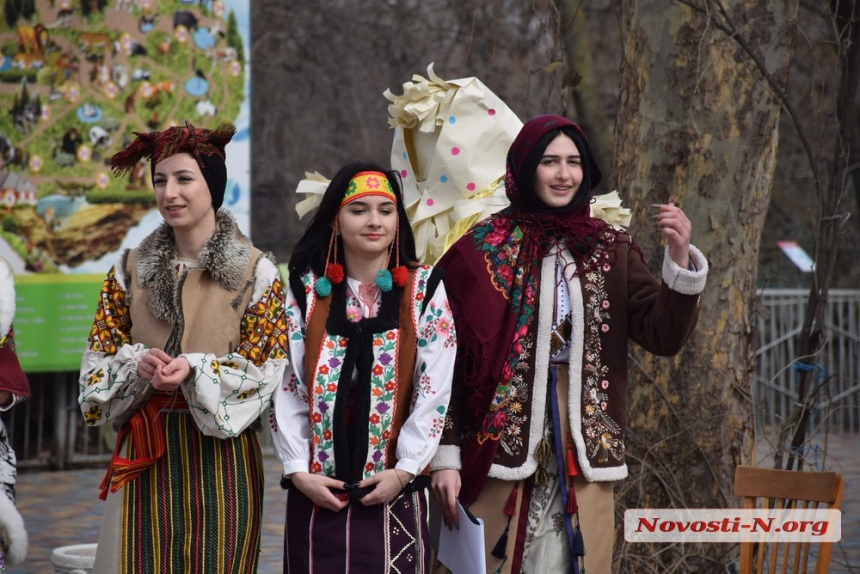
<point>545,298</point>
<point>187,347</point>
<point>361,409</point>
<point>14,389</point>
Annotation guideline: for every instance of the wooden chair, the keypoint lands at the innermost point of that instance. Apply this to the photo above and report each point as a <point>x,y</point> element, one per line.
<point>769,488</point>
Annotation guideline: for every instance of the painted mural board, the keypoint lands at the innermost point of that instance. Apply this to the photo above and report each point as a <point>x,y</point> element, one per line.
<point>77,78</point>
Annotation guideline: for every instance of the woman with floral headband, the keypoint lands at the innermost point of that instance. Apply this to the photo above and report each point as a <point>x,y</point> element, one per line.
<point>187,347</point>
<point>360,413</point>
<point>545,298</point>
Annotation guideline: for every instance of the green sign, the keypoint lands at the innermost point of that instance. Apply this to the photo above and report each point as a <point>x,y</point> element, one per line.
<point>53,319</point>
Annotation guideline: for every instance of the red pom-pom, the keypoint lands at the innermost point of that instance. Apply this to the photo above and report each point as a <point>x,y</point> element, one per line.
<point>334,273</point>
<point>399,275</point>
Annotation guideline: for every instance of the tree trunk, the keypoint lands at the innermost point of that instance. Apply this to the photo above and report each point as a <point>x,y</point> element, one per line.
<point>697,122</point>
<point>578,50</point>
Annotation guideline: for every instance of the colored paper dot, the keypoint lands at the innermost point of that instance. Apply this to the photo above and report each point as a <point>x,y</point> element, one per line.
<point>404,155</point>
<point>455,151</point>
<point>443,178</point>
<point>470,186</point>
<point>491,111</point>
<point>452,120</point>
<point>430,201</point>
<point>403,173</point>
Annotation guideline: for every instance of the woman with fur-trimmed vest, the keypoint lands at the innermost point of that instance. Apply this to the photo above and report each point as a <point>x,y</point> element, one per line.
<point>545,298</point>
<point>14,388</point>
<point>186,350</point>
<point>360,413</point>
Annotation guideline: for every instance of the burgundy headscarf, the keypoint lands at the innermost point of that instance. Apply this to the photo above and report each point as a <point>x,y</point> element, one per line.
<point>545,227</point>
<point>490,321</point>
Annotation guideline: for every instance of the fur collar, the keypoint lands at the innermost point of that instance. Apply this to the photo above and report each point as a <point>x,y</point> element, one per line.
<point>225,257</point>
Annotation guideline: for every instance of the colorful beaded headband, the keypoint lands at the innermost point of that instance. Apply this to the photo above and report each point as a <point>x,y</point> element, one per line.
<point>367,183</point>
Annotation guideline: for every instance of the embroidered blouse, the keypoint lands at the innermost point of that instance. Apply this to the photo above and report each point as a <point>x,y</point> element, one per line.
<point>228,393</point>
<point>292,429</point>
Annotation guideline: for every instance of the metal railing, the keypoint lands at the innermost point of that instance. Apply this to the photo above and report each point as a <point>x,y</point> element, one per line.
<point>836,367</point>
<point>49,431</point>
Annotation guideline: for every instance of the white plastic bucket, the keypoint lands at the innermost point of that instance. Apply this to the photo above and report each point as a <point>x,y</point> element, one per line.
<point>76,559</point>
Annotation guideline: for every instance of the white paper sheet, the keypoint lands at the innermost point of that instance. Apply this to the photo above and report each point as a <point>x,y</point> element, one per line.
<point>462,551</point>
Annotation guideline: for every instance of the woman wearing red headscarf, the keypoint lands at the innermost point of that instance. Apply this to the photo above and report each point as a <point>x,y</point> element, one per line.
<point>545,298</point>
<point>187,347</point>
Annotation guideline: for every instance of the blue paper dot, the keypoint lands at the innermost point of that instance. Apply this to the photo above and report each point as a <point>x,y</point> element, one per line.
<point>452,120</point>
<point>443,178</point>
<point>404,155</point>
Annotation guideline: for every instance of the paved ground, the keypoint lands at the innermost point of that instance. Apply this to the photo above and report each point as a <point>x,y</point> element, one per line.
<point>62,508</point>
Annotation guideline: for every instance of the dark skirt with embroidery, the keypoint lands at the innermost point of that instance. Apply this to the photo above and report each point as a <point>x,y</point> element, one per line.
<point>198,509</point>
<point>382,538</point>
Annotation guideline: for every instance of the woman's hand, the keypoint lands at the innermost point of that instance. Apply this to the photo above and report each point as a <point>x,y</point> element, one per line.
<point>316,487</point>
<point>674,224</point>
<point>168,377</point>
<point>150,362</point>
<point>388,483</point>
<point>445,486</point>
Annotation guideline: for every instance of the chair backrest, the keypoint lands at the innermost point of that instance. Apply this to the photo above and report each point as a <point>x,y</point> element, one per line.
<point>778,489</point>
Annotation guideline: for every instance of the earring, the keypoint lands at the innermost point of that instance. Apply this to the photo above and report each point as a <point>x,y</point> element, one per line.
<point>333,271</point>
<point>386,279</point>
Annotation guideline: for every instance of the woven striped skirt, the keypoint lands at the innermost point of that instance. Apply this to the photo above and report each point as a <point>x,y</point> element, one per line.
<point>197,510</point>
<point>359,539</point>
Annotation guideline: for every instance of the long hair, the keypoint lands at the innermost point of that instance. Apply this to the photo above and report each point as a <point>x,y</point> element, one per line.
<point>311,250</point>
<point>525,179</point>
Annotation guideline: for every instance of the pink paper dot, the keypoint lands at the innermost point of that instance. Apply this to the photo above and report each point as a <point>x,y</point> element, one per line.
<point>491,111</point>
<point>455,151</point>
<point>470,186</point>
<point>430,202</point>
<point>403,173</point>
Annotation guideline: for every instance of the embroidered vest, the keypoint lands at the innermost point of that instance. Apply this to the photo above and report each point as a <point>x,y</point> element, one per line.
<point>355,424</point>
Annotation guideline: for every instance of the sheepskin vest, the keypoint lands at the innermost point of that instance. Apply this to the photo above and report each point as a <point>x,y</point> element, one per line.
<point>199,311</point>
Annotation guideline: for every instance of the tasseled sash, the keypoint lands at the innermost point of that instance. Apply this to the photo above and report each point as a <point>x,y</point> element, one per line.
<point>147,442</point>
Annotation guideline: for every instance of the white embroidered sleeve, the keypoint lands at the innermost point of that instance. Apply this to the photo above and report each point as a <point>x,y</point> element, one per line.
<point>108,382</point>
<point>227,394</point>
<point>434,370</point>
<point>291,433</point>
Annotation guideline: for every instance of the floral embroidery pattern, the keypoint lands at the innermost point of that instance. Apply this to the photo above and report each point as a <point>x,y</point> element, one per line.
<point>328,373</point>
<point>439,324</point>
<point>423,388</point>
<point>111,326</point>
<point>512,440</point>
<point>383,387</point>
<point>501,247</point>
<point>601,432</point>
<point>438,422</point>
<point>96,378</point>
<point>264,327</point>
<point>93,415</point>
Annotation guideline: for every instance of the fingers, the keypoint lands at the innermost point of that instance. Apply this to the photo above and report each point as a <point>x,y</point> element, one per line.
<point>449,510</point>
<point>445,488</point>
<point>150,362</point>
<point>316,488</point>
<point>329,501</point>
<point>160,355</point>
<point>387,488</point>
